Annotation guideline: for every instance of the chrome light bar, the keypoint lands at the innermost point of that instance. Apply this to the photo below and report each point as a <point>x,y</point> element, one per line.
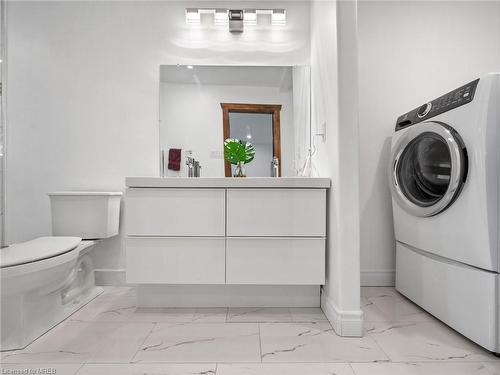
<point>221,16</point>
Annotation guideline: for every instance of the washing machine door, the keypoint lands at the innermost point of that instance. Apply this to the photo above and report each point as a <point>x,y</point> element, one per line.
<point>428,168</point>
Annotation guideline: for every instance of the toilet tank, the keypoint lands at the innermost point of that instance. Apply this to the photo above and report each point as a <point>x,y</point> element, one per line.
<point>89,215</point>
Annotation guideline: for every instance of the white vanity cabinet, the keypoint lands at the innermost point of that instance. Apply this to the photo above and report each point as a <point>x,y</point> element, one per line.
<point>175,235</point>
<point>175,212</point>
<point>176,260</point>
<point>276,212</point>
<point>250,231</point>
<point>275,261</point>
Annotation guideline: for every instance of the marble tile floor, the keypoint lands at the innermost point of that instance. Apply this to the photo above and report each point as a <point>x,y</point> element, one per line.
<point>111,336</point>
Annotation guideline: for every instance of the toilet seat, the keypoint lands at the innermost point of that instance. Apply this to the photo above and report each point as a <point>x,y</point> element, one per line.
<point>35,250</point>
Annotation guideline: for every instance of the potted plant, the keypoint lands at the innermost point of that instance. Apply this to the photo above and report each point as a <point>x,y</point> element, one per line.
<point>239,153</point>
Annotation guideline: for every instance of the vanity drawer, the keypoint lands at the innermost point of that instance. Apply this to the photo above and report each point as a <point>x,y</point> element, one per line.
<point>176,260</point>
<point>276,212</point>
<point>275,261</point>
<point>175,212</point>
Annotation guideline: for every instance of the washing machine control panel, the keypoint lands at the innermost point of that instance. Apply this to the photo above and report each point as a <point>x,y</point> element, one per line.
<point>451,100</point>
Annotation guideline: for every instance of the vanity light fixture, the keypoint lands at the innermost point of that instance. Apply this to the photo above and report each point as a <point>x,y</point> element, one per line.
<point>235,17</point>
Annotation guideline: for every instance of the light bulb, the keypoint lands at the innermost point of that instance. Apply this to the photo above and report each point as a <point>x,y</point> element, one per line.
<point>250,17</point>
<point>193,16</point>
<point>278,17</point>
<point>220,17</point>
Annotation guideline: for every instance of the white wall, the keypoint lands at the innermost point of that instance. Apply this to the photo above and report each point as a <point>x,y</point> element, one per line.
<point>200,130</point>
<point>2,124</point>
<point>409,52</point>
<point>302,113</point>
<point>334,103</point>
<point>83,93</point>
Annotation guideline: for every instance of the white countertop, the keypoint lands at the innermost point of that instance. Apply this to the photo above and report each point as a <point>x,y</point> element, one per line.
<point>228,182</point>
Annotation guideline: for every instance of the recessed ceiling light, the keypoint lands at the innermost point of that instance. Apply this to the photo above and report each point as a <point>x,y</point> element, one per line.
<point>190,67</point>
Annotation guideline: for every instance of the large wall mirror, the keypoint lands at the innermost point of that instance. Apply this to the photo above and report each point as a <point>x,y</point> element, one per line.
<point>201,106</point>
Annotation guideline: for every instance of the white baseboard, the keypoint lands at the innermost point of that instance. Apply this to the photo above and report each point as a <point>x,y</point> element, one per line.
<point>378,277</point>
<point>158,295</point>
<point>345,323</point>
<point>109,277</point>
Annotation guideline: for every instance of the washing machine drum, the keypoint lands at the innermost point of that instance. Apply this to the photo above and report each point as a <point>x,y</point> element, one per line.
<point>428,168</point>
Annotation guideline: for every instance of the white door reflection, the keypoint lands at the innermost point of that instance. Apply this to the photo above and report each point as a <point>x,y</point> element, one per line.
<point>256,128</point>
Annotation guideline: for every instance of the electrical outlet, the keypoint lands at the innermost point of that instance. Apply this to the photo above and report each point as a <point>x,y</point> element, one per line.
<point>216,155</point>
<point>321,131</point>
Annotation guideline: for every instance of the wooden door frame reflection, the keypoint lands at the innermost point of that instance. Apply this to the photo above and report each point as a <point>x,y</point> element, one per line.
<point>273,109</point>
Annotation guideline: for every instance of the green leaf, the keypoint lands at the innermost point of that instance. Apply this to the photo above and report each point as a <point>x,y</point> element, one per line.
<point>233,150</point>
<point>249,152</point>
<point>236,151</point>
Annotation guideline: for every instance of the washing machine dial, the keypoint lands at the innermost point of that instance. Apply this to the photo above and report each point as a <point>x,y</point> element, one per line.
<point>424,110</point>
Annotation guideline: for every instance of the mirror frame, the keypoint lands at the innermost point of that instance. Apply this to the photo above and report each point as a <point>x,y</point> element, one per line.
<point>273,109</point>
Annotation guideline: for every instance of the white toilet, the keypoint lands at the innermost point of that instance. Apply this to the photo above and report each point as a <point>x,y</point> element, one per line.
<point>45,280</point>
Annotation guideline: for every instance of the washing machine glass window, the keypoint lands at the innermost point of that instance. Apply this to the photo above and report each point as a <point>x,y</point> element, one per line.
<point>429,169</point>
<point>425,169</point>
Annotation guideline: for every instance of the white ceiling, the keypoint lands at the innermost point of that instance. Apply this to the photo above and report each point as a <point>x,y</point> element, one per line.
<point>260,76</point>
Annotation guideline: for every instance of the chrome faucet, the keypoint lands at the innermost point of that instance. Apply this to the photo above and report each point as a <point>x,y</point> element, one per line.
<point>193,165</point>
<point>190,163</point>
<point>275,167</point>
<point>197,168</point>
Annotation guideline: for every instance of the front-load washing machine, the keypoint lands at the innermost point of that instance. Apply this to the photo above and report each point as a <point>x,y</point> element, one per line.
<point>444,176</point>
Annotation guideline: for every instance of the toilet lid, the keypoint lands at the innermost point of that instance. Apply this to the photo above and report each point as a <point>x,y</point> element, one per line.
<point>37,249</point>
